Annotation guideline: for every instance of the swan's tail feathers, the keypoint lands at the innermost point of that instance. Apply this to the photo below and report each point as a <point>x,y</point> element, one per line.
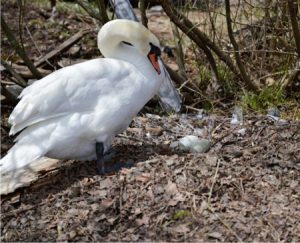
<point>19,156</point>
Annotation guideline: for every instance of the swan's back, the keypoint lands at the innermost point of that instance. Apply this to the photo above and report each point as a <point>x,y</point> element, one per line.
<point>77,88</point>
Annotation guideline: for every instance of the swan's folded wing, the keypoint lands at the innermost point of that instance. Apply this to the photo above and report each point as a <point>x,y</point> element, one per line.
<point>76,88</point>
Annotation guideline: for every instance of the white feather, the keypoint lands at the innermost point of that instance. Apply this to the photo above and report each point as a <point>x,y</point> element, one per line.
<point>64,114</point>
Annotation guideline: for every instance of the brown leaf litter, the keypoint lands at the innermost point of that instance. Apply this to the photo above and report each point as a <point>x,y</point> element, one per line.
<point>246,188</point>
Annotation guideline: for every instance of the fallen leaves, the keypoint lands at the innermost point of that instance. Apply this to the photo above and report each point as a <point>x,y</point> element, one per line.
<point>143,221</point>
<point>165,196</point>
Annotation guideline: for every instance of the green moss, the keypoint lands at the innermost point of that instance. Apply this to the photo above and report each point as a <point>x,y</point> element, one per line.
<point>181,214</point>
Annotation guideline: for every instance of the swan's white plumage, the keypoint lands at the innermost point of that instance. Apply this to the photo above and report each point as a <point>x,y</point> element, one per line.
<point>64,114</point>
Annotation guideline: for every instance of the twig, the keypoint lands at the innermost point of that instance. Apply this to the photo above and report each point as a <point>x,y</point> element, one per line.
<point>263,51</point>
<point>227,226</point>
<point>20,22</point>
<point>25,72</point>
<point>213,183</point>
<point>8,95</point>
<point>18,211</point>
<point>177,78</point>
<point>36,47</point>
<point>183,85</point>
<point>102,11</point>
<point>179,51</point>
<point>19,80</point>
<point>131,138</point>
<point>239,62</point>
<point>65,45</point>
<point>143,8</point>
<point>293,9</point>
<point>277,73</point>
<point>193,108</point>
<point>200,38</point>
<point>90,11</point>
<point>19,49</point>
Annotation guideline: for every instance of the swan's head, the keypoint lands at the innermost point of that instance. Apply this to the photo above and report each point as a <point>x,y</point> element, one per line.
<point>121,32</point>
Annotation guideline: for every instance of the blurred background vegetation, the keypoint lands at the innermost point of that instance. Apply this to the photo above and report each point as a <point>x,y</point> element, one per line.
<point>223,53</point>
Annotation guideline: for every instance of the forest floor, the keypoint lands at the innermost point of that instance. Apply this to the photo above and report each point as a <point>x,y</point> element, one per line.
<point>245,188</point>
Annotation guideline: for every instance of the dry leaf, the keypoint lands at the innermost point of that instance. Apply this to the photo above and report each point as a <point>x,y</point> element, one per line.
<point>182,229</point>
<point>106,203</point>
<point>171,188</point>
<point>145,177</point>
<point>156,131</point>
<point>215,235</point>
<point>106,183</point>
<point>143,221</point>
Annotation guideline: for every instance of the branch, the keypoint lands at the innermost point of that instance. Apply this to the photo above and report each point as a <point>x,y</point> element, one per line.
<point>293,9</point>
<point>63,46</point>
<point>8,95</point>
<point>143,8</point>
<point>90,11</point>
<point>176,77</point>
<point>239,62</point>
<point>19,80</point>
<point>179,51</point>
<point>19,49</point>
<point>200,38</point>
<point>102,11</point>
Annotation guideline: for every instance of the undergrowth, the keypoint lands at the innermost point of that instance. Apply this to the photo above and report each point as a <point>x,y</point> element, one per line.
<point>267,97</point>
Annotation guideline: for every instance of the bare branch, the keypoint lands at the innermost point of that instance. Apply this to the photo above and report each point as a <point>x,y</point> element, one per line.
<point>201,39</point>
<point>19,49</point>
<point>8,95</point>
<point>90,11</point>
<point>179,51</point>
<point>63,46</point>
<point>143,8</point>
<point>239,62</point>
<point>102,11</point>
<point>19,79</point>
<point>293,9</point>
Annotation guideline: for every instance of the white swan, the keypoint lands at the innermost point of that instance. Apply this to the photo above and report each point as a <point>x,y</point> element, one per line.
<point>75,112</point>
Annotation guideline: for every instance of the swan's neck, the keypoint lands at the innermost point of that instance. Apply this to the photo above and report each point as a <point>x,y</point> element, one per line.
<point>130,54</point>
<point>111,40</point>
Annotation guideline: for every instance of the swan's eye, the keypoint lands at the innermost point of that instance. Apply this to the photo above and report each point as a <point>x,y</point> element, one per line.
<point>126,43</point>
<point>155,50</point>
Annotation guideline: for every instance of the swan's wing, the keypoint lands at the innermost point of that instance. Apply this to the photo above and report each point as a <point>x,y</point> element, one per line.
<point>76,88</point>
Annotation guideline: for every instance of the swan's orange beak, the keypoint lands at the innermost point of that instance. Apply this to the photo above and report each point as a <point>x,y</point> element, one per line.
<point>153,55</point>
<point>154,61</point>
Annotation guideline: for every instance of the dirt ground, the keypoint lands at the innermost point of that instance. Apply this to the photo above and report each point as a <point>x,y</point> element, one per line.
<point>245,188</point>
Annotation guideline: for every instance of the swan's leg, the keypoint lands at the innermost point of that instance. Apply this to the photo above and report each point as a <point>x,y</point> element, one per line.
<point>108,167</point>
<point>100,157</point>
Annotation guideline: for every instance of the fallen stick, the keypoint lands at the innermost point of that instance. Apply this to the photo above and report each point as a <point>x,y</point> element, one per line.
<point>24,72</point>
<point>62,47</point>
<point>26,176</point>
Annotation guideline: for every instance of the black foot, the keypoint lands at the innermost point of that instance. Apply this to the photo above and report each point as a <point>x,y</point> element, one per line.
<point>100,159</point>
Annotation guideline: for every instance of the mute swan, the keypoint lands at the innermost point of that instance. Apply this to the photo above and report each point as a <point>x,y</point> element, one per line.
<point>75,112</point>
